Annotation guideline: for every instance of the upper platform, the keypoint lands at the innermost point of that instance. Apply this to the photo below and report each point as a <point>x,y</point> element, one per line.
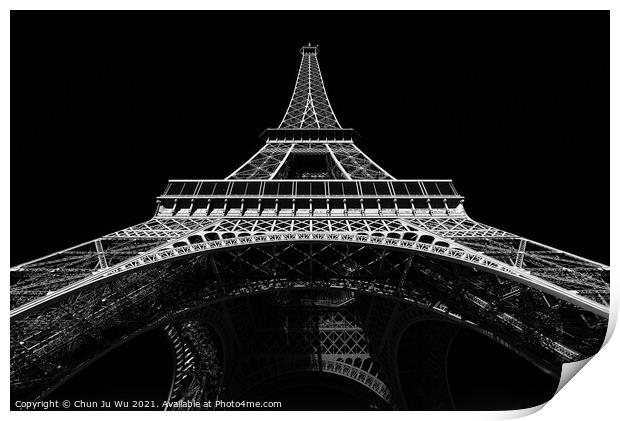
<point>309,198</point>
<point>312,135</point>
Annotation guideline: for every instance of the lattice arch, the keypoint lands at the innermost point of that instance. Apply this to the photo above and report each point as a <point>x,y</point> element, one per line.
<point>41,344</point>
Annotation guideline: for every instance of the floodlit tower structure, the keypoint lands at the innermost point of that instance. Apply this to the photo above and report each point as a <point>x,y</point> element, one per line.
<point>309,257</point>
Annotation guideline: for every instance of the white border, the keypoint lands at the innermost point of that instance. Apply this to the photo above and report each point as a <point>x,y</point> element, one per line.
<point>592,395</point>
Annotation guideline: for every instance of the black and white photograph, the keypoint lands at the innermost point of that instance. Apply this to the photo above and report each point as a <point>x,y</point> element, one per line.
<point>306,210</point>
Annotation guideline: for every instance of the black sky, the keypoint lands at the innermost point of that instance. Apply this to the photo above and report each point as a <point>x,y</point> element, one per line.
<point>105,107</point>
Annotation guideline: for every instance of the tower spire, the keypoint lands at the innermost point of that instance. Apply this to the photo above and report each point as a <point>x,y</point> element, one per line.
<point>309,107</point>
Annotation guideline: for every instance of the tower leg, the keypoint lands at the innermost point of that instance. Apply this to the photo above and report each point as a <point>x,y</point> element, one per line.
<point>422,359</point>
<point>198,363</point>
<point>412,347</point>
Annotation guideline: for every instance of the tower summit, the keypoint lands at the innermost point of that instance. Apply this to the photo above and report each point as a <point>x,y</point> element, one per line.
<point>309,257</point>
<point>309,107</point>
<point>309,115</point>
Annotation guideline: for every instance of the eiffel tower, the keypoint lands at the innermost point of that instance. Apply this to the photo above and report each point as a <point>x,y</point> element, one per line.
<point>309,258</point>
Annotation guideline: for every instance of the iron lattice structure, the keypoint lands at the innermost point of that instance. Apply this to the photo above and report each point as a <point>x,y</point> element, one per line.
<point>309,257</point>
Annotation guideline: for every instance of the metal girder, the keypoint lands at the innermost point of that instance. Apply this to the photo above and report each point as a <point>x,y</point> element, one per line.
<point>309,107</point>
<point>198,368</point>
<point>357,164</point>
<point>411,242</point>
<point>264,163</point>
<point>416,240</point>
<point>52,336</point>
